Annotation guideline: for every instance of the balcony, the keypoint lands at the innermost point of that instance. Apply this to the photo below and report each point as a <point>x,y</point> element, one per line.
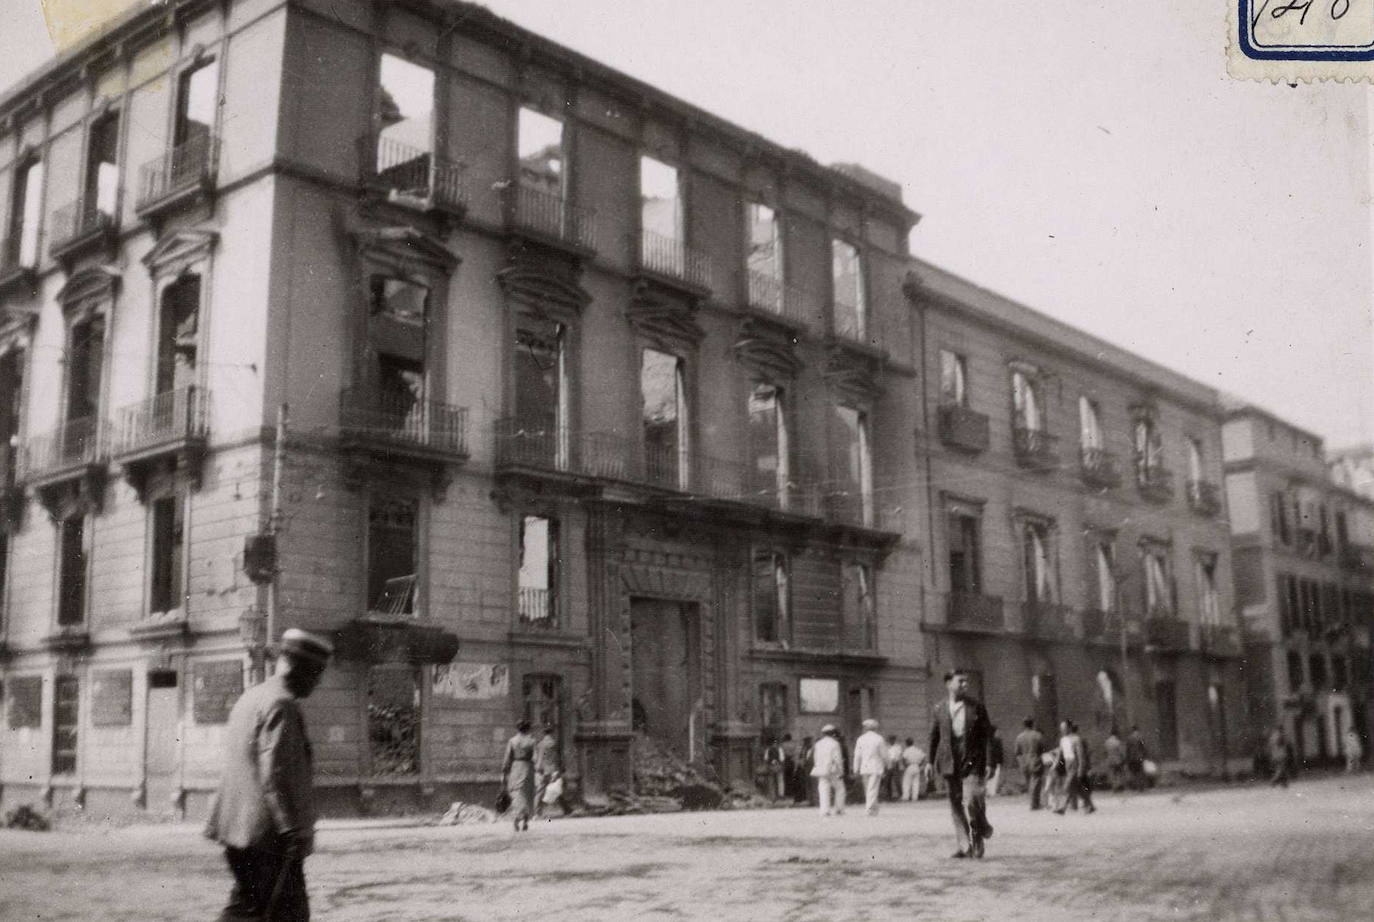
<point>544,217</point>
<point>18,273</point>
<point>79,228</point>
<point>184,174</point>
<point>1204,498</point>
<point>1047,621</point>
<point>1358,558</point>
<point>673,261</point>
<point>1165,633</point>
<point>1155,483</point>
<point>771,296</point>
<point>1219,640</point>
<point>1099,469</point>
<point>167,429</point>
<point>522,446</point>
<point>414,177</point>
<point>1104,627</point>
<point>69,461</point>
<point>962,429</point>
<point>974,613</point>
<point>399,425</point>
<point>1034,448</point>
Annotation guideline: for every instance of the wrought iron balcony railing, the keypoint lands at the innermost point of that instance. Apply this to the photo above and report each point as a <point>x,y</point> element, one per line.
<point>1154,482</point>
<point>1219,640</point>
<point>1166,632</point>
<point>78,223</point>
<point>399,420</point>
<point>188,167</point>
<point>1105,627</point>
<point>166,419</point>
<point>1047,620</point>
<point>1204,497</point>
<point>852,322</point>
<point>971,611</point>
<point>1034,448</point>
<point>546,214</point>
<point>536,606</point>
<point>1098,468</point>
<point>771,295</point>
<point>962,428</point>
<point>73,445</point>
<point>674,259</point>
<point>414,176</point>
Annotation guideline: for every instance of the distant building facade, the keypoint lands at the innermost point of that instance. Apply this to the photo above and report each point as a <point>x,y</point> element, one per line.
<point>1079,557</point>
<point>1304,571</point>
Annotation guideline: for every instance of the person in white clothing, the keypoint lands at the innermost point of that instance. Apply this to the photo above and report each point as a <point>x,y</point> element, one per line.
<point>870,763</point>
<point>914,775</point>
<point>828,770</point>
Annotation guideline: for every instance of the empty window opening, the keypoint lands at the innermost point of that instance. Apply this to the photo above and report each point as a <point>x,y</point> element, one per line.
<point>664,418</point>
<point>392,539</point>
<point>538,577</point>
<point>847,290</point>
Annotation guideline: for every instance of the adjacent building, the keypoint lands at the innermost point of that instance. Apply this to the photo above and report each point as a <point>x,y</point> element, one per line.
<point>1304,572</point>
<point>549,395</point>
<point>1079,557</point>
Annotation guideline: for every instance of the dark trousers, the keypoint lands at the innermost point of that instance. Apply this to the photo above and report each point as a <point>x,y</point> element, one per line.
<point>268,887</point>
<point>1080,789</point>
<point>1035,783</point>
<point>968,807</point>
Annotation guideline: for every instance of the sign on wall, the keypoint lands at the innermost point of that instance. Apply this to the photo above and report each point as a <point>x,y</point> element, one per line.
<point>472,681</point>
<point>216,686</point>
<point>819,696</point>
<point>25,701</point>
<point>112,698</point>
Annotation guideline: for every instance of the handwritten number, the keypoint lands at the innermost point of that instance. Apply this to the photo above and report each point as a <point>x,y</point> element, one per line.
<point>1344,6</point>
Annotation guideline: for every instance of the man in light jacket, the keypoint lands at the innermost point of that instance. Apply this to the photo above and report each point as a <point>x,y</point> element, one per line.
<point>828,770</point>
<point>870,763</point>
<point>264,812</point>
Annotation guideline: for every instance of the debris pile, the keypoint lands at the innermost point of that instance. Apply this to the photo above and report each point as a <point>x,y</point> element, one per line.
<point>26,817</point>
<point>464,814</point>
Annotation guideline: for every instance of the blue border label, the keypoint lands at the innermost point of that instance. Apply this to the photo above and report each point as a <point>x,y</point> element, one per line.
<point>1295,52</point>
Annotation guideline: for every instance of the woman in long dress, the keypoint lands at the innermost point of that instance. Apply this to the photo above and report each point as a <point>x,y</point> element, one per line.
<point>517,770</point>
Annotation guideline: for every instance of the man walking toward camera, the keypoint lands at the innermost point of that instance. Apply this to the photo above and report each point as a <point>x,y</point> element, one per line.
<point>264,812</point>
<point>961,724</point>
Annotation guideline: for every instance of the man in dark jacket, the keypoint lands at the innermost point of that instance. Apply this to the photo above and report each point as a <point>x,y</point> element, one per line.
<point>264,813</point>
<point>961,723</point>
<point>1030,743</point>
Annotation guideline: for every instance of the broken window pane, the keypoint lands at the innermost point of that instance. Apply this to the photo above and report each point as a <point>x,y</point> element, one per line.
<point>540,149</point>
<point>392,543</point>
<point>538,576</point>
<point>393,719</point>
<point>660,199</point>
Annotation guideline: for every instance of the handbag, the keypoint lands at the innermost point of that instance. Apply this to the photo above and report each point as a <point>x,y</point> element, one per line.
<point>503,801</point>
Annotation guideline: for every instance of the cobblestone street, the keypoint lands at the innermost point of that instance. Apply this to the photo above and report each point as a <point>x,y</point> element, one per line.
<point>1243,853</point>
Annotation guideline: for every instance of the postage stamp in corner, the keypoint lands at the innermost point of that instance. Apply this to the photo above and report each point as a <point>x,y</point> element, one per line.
<point>1292,41</point>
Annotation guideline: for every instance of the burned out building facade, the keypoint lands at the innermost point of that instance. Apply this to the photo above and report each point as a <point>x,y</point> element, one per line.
<point>548,394</point>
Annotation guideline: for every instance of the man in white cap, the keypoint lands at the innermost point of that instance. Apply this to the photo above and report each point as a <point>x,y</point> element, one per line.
<point>870,763</point>
<point>828,771</point>
<point>264,813</point>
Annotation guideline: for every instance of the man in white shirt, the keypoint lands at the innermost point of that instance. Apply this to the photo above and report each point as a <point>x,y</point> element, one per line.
<point>892,781</point>
<point>870,763</point>
<point>914,774</point>
<point>828,770</point>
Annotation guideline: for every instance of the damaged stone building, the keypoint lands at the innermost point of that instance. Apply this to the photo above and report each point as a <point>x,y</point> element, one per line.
<point>546,393</point>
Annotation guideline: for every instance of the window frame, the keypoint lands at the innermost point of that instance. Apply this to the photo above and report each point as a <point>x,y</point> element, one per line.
<point>954,372</point>
<point>1028,400</point>
<point>564,178</point>
<point>180,501</point>
<point>780,598</point>
<point>18,228</point>
<point>683,393</point>
<point>419,595</point>
<point>553,619</point>
<point>1039,549</point>
<point>62,596</point>
<point>862,309</point>
<point>90,187</point>
<point>965,511</point>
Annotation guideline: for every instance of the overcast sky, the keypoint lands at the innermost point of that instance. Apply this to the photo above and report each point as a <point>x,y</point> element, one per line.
<point>1089,158</point>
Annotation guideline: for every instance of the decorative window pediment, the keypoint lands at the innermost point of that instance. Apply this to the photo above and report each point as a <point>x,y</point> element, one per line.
<point>404,251</point>
<point>663,318</point>
<point>546,284</point>
<point>853,376</point>
<point>177,252</point>
<point>767,352</point>
<point>88,289</point>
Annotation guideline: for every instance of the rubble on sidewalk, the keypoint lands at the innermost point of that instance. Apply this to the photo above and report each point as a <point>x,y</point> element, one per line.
<point>464,814</point>
<point>27,817</point>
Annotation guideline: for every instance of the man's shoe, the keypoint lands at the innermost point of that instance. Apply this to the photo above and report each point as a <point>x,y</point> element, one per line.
<point>987,831</point>
<point>959,854</point>
<point>977,848</point>
<point>1060,811</point>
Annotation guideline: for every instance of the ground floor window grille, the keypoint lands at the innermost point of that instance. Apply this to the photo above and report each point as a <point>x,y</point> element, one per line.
<point>66,706</point>
<point>393,719</point>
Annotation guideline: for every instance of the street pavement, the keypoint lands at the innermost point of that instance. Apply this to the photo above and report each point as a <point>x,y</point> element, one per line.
<point>1247,853</point>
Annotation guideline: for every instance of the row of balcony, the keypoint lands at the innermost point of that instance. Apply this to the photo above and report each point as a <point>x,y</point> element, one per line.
<point>1161,630</point>
<point>610,456</point>
<point>165,422</point>
<point>1035,449</point>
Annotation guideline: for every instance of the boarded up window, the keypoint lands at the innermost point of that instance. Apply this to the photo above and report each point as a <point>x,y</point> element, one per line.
<point>112,698</point>
<point>217,685</point>
<point>25,702</point>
